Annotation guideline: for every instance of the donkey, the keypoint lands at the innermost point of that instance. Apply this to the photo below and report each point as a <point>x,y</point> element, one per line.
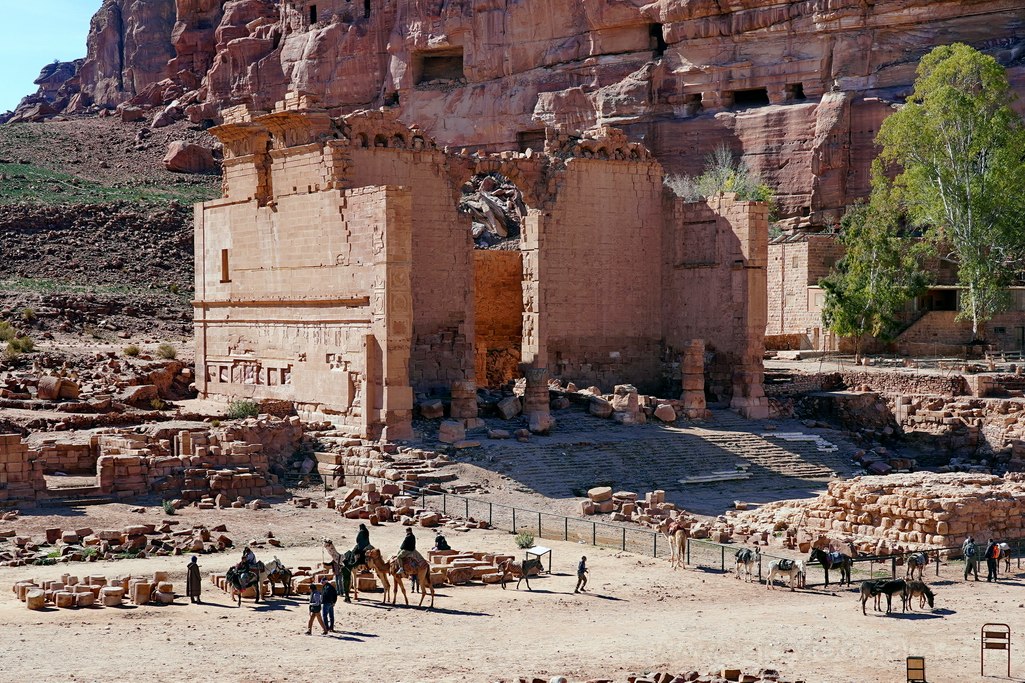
<point>747,559</point>
<point>916,562</point>
<point>793,569</point>
<point>923,592</point>
<point>523,569</point>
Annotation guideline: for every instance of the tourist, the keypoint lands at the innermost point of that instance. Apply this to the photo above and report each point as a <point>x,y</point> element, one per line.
<point>315,604</point>
<point>193,583</point>
<point>328,598</point>
<point>440,543</point>
<point>248,559</point>
<point>581,575</point>
<point>971,558</point>
<point>407,548</point>
<point>992,553</point>
<point>362,544</point>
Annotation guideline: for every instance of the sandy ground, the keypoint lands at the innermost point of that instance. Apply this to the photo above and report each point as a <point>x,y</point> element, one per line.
<point>639,616</point>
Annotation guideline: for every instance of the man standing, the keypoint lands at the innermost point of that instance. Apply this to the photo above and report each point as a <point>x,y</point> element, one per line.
<point>971,558</point>
<point>992,553</point>
<point>581,575</point>
<point>193,583</point>
<point>328,598</point>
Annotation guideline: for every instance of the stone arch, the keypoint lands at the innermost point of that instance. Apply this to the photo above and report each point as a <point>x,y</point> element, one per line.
<point>380,140</point>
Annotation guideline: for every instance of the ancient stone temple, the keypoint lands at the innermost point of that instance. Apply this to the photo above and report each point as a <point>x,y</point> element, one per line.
<point>338,272</point>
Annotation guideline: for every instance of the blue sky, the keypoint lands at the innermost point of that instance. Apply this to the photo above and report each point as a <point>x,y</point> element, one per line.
<point>33,33</point>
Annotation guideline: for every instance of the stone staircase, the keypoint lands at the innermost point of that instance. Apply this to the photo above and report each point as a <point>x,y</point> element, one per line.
<point>77,496</point>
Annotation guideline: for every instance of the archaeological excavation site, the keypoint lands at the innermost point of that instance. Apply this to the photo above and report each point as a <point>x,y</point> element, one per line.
<point>627,342</point>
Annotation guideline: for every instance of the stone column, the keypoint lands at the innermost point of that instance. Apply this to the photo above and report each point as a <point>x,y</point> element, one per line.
<point>464,400</point>
<point>536,407</point>
<point>692,367</point>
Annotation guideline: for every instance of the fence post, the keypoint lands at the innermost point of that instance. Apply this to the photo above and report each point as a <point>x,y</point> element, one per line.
<point>937,563</point>
<point>722,557</point>
<point>444,503</point>
<point>624,539</point>
<point>759,567</point>
<point>565,528</point>
<point>686,543</point>
<point>514,521</point>
<point>654,545</point>
<point>893,567</point>
<point>594,534</point>
<point>467,501</point>
<point>539,535</point>
<point>491,515</point>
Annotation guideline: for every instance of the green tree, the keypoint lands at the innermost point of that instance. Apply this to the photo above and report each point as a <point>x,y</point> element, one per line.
<point>879,272</point>
<point>960,149</point>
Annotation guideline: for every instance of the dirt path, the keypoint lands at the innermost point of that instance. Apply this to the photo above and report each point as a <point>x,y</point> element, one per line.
<point>639,616</point>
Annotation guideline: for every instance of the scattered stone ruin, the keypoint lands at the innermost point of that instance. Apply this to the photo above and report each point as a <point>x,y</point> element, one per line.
<point>338,273</point>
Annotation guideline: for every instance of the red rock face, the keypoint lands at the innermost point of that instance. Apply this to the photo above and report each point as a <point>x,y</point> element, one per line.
<point>799,88</point>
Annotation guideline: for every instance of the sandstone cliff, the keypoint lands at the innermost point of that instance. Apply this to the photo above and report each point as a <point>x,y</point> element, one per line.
<point>799,88</point>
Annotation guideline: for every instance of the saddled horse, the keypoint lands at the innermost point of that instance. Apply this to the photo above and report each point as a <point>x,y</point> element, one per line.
<point>747,559</point>
<point>923,592</point>
<point>791,569</point>
<point>254,576</point>
<point>833,561</point>
<point>916,562</point>
<point>520,568</point>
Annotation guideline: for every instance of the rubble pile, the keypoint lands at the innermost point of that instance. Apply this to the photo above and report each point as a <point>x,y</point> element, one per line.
<point>724,675</point>
<point>392,502</point>
<point>384,464</point>
<point>495,207</point>
<point>72,591</point>
<point>892,514</point>
<point>134,541</point>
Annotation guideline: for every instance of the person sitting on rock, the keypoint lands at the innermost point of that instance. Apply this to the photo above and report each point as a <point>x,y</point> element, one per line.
<point>407,549</point>
<point>362,544</point>
<point>440,543</point>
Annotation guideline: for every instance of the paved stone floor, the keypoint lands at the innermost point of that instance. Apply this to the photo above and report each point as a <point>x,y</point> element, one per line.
<point>586,451</point>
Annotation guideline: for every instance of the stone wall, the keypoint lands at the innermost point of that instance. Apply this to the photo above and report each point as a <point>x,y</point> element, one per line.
<point>21,471</point>
<point>498,321</point>
<point>794,298</point>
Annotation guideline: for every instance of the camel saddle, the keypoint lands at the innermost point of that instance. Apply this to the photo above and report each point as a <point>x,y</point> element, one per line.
<point>413,563</point>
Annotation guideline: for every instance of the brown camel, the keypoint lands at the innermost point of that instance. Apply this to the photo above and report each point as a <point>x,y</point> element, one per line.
<point>380,568</point>
<point>422,572</point>
<point>677,534</point>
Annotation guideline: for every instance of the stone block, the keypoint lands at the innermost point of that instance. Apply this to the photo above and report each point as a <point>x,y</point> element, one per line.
<point>35,598</point>
<point>509,407</point>
<point>665,413</point>
<point>600,494</point>
<point>64,599</point>
<point>85,599</point>
<point>451,431</point>
<point>599,407</point>
<point>432,410</point>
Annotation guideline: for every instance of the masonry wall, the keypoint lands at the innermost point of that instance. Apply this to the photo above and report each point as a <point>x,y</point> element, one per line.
<point>498,292</point>
<point>794,298</point>
<point>598,261</point>
<point>296,302</point>
<point>713,276</point>
<point>442,261</point>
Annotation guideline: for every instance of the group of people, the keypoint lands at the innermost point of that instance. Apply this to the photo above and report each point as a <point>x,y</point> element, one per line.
<point>992,553</point>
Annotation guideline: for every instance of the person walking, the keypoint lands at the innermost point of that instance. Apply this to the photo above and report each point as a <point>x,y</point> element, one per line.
<point>970,552</point>
<point>316,601</point>
<point>328,598</point>
<point>992,553</point>
<point>193,582</point>
<point>581,575</point>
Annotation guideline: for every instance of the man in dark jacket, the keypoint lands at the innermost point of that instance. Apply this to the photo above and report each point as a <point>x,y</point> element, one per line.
<point>992,553</point>
<point>407,548</point>
<point>328,598</point>
<point>362,544</point>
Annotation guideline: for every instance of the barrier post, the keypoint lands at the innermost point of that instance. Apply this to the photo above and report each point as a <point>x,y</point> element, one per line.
<point>624,539</point>
<point>995,637</point>
<point>565,528</point>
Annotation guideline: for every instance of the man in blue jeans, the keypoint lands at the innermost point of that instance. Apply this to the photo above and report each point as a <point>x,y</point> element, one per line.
<point>328,598</point>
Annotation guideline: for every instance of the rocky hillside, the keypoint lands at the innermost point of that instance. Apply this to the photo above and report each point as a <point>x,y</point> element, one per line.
<point>798,88</point>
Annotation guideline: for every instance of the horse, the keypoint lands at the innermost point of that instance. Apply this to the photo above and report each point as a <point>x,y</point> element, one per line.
<point>792,569</point>
<point>924,593</point>
<point>870,589</point>
<point>277,572</point>
<point>512,567</point>
<point>916,561</point>
<point>746,561</point>
<point>419,570</point>
<point>247,578</point>
<point>833,560</point>
<point>677,534</point>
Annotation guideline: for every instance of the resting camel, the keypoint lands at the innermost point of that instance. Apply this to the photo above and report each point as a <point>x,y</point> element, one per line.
<point>419,570</point>
<point>677,534</point>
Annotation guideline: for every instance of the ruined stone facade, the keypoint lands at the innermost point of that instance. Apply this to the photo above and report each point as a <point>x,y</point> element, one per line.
<point>336,271</point>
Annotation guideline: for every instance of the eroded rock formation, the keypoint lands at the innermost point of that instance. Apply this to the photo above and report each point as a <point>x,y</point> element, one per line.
<point>799,88</point>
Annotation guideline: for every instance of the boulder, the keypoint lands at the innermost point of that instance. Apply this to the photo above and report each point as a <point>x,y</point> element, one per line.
<point>140,396</point>
<point>599,407</point>
<point>509,407</point>
<point>451,431</point>
<point>600,494</point>
<point>432,410</point>
<point>665,413</point>
<point>49,388</point>
<point>186,157</point>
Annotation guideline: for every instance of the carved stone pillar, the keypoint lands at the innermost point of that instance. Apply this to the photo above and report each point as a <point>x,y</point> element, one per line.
<point>536,407</point>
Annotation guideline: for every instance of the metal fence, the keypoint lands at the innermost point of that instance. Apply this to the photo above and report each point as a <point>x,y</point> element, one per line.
<point>943,563</point>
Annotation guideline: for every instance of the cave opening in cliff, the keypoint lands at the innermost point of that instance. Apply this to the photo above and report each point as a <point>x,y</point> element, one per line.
<point>366,9</point>
<point>755,97</point>
<point>658,40</point>
<point>313,14</point>
<point>438,65</point>
<point>531,139</point>
<point>795,92</point>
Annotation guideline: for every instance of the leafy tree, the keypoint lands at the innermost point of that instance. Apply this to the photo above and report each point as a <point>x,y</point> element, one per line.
<point>961,151</point>
<point>869,287</point>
